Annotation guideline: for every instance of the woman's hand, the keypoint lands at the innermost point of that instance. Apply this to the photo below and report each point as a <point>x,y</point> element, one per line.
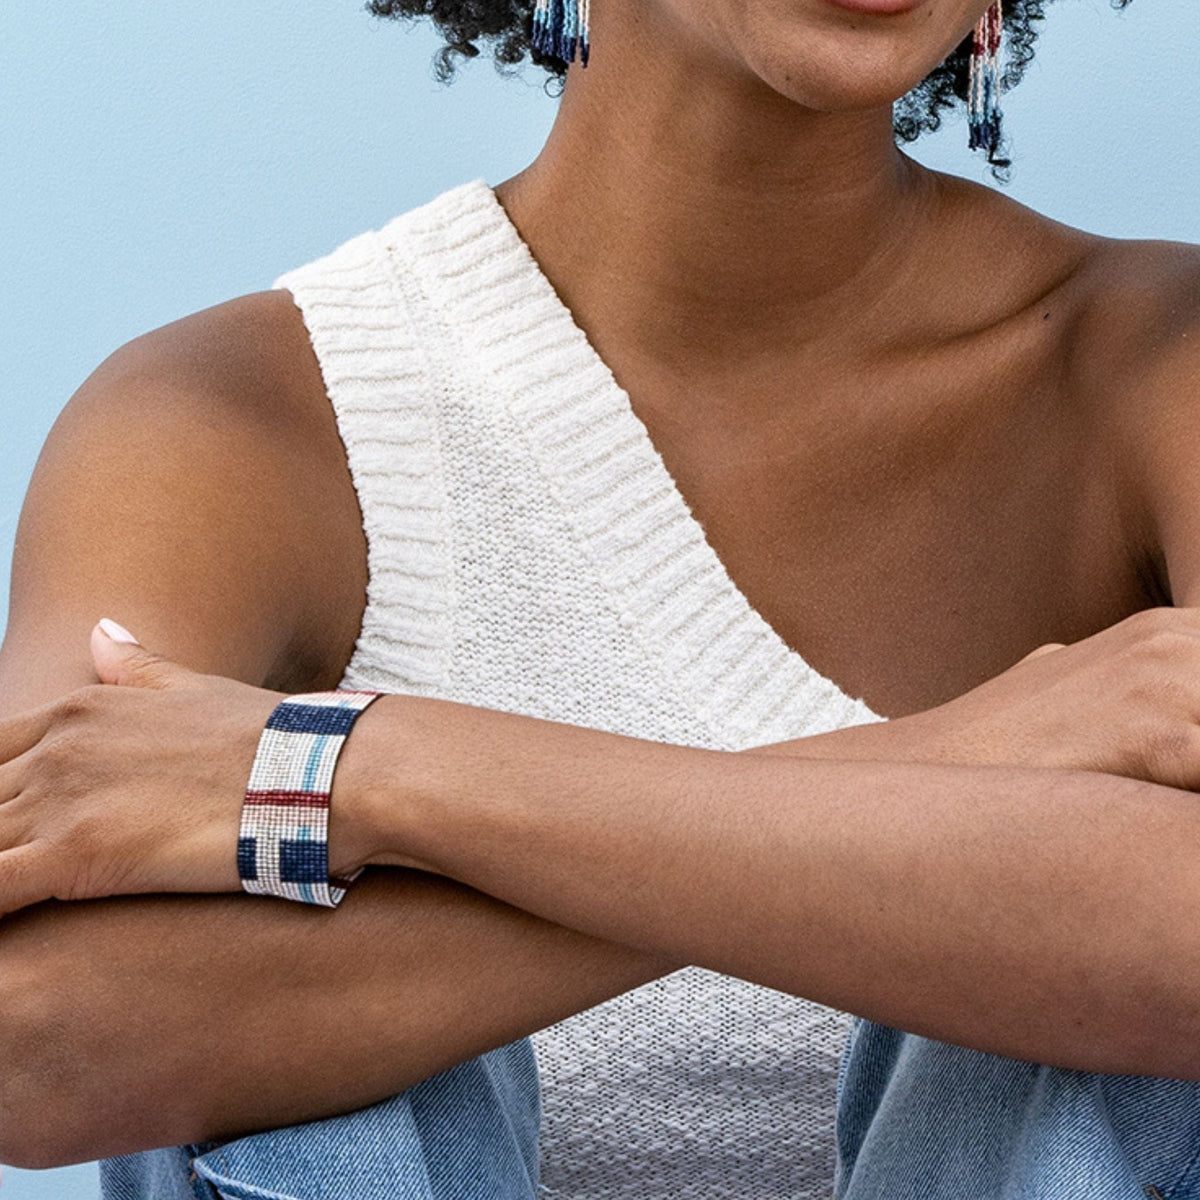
<point>1125,701</point>
<point>137,788</point>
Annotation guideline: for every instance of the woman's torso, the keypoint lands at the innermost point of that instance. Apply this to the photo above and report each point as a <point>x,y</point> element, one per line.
<point>909,534</point>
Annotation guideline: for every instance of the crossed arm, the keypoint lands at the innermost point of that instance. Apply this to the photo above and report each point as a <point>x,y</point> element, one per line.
<point>175,1003</point>
<point>167,495</point>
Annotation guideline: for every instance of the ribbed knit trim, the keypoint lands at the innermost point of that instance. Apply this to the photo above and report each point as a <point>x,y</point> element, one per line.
<point>378,383</point>
<point>670,588</point>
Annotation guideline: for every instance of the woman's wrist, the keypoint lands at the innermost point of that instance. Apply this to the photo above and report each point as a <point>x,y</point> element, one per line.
<point>386,778</point>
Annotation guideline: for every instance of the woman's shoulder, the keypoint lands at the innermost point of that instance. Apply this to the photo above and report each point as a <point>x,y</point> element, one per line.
<point>1136,336</point>
<point>227,410</point>
<point>247,362</point>
<point>250,353</point>
<point>1122,314</point>
<point>1134,359</point>
<point>1115,332</point>
<point>1145,292</point>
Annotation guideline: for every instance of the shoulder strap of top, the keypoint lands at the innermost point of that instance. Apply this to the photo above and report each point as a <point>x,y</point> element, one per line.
<point>378,379</point>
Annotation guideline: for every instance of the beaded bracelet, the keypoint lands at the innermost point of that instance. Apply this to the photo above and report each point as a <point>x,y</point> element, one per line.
<point>283,844</point>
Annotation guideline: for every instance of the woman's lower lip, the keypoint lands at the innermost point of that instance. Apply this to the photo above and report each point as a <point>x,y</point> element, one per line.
<point>879,7</point>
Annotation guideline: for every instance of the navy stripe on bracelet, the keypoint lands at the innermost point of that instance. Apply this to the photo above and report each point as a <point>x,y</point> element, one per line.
<point>283,844</point>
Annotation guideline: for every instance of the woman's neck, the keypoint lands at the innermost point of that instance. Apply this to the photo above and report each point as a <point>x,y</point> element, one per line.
<point>718,217</point>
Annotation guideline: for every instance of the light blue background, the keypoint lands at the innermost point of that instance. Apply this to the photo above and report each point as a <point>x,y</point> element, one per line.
<point>158,158</point>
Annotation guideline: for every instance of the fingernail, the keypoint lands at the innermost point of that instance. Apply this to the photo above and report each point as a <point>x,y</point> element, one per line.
<point>118,633</point>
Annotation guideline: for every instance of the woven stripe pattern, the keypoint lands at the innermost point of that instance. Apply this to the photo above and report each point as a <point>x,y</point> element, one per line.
<point>283,844</point>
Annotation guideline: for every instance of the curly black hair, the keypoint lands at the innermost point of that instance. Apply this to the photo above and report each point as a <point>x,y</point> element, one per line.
<point>507,26</point>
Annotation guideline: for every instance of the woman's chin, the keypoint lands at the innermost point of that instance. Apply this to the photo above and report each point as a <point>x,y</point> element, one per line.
<point>850,62</point>
<point>833,88</point>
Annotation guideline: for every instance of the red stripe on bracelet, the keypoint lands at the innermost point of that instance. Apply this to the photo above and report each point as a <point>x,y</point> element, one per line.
<point>289,799</point>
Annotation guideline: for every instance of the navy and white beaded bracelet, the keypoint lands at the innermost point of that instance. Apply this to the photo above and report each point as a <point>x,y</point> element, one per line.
<point>283,844</point>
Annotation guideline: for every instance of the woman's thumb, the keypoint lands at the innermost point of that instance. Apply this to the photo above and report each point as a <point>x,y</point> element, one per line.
<point>121,659</point>
<point>1046,649</point>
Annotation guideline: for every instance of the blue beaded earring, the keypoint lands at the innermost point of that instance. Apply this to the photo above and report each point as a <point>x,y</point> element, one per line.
<point>560,28</point>
<point>983,101</point>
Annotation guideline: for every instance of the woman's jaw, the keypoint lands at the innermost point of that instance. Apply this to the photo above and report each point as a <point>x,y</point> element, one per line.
<point>826,55</point>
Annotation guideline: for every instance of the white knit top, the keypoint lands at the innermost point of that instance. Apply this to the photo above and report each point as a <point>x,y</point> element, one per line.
<point>528,551</point>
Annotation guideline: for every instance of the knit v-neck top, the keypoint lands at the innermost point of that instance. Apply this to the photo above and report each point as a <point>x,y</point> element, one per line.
<point>529,551</point>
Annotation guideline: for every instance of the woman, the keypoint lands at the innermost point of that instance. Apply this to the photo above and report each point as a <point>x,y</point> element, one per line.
<point>856,408</point>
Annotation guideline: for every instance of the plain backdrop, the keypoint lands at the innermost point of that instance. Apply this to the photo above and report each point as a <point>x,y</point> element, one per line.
<point>158,158</point>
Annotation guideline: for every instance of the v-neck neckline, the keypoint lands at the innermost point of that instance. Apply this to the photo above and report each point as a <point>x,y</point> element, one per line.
<point>669,586</point>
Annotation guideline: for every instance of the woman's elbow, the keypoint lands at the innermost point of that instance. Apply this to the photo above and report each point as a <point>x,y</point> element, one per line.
<point>65,1095</point>
<point>44,1121</point>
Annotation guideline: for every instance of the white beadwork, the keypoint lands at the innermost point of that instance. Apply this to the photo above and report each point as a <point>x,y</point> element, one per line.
<point>287,800</point>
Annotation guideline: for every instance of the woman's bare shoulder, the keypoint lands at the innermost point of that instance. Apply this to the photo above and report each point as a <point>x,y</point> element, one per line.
<point>1134,355</point>
<point>250,353</point>
<point>1136,344</point>
<point>195,489</point>
<point>1118,344</point>
<point>1148,287</point>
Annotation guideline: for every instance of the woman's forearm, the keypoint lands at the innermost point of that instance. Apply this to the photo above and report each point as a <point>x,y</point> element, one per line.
<point>1044,914</point>
<point>214,1016</point>
<point>163,998</point>
<point>190,1006</point>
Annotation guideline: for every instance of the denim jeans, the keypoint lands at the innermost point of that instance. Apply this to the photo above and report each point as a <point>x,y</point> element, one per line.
<point>467,1134</point>
<point>917,1120</point>
<point>922,1120</point>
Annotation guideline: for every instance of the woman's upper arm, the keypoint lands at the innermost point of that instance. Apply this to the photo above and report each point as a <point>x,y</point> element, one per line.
<point>194,490</point>
<point>1142,359</point>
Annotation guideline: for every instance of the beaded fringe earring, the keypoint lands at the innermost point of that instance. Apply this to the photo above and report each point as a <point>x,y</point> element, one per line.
<point>983,103</point>
<point>560,28</point>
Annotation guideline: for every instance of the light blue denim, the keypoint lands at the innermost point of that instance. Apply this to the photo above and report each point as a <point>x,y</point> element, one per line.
<point>917,1120</point>
<point>469,1133</point>
<point>923,1120</point>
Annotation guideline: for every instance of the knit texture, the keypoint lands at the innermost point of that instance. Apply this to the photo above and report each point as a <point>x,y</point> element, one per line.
<point>529,551</point>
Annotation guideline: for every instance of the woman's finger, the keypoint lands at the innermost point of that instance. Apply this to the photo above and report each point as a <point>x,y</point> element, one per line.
<point>1043,649</point>
<point>13,777</point>
<point>24,730</point>
<point>16,823</point>
<point>25,877</point>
